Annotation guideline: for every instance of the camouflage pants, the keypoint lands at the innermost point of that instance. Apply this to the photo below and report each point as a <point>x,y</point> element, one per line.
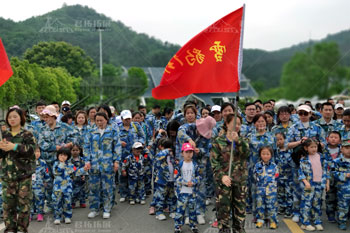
<point>185,201</point>
<point>165,194</point>
<point>62,202</point>
<point>49,186</point>
<point>79,192</point>
<point>266,203</point>
<point>38,199</point>
<point>343,204</point>
<point>331,200</point>
<point>285,193</point>
<point>148,177</point>
<point>101,191</point>
<point>201,193</point>
<point>123,184</point>
<point>297,191</point>
<point>310,205</point>
<point>17,197</point>
<point>209,181</point>
<point>231,199</point>
<point>137,188</point>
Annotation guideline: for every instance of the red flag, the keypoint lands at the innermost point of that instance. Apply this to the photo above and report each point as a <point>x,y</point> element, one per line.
<point>5,67</point>
<point>209,63</point>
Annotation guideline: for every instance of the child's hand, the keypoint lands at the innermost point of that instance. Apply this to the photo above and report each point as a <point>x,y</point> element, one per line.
<point>189,184</point>
<point>327,186</point>
<point>307,185</point>
<point>347,175</point>
<point>226,180</point>
<point>123,144</point>
<point>196,150</point>
<point>123,173</point>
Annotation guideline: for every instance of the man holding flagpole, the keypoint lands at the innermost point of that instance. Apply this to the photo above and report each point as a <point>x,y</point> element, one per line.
<point>211,62</point>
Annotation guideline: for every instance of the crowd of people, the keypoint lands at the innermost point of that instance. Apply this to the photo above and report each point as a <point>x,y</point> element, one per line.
<point>258,160</point>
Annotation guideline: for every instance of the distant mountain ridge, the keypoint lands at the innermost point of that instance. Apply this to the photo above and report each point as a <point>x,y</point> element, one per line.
<point>122,46</point>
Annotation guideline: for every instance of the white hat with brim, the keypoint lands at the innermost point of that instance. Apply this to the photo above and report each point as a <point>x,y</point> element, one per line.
<point>304,107</point>
<point>339,106</point>
<point>126,114</point>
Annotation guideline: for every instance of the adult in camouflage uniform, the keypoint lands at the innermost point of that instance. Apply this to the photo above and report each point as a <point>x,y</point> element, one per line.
<point>17,166</point>
<point>231,191</point>
<point>53,136</point>
<point>102,153</point>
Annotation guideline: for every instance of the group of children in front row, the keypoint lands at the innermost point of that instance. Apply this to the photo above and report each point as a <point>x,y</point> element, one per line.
<point>304,180</point>
<point>69,184</point>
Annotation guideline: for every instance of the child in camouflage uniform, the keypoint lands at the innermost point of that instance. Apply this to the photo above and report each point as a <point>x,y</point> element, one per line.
<point>187,182</point>
<point>63,185</point>
<point>133,167</point>
<point>313,174</point>
<point>164,193</point>
<point>40,179</point>
<point>79,182</point>
<point>266,173</point>
<point>341,172</point>
<point>285,165</point>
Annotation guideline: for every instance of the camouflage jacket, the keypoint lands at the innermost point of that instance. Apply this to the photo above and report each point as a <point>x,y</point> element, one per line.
<point>179,178</point>
<point>134,167</point>
<point>101,151</point>
<point>62,175</point>
<point>220,159</point>
<point>305,170</point>
<point>18,164</point>
<point>266,174</point>
<point>340,168</point>
<point>41,174</point>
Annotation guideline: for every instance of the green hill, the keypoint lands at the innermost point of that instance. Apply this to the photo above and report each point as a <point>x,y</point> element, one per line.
<point>75,25</point>
<point>123,46</point>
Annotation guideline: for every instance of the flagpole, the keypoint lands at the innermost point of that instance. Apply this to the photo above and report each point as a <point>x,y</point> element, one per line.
<point>234,129</point>
<point>240,60</point>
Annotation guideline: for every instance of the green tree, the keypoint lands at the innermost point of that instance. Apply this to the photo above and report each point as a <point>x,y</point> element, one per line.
<point>316,72</point>
<point>137,77</point>
<point>61,54</point>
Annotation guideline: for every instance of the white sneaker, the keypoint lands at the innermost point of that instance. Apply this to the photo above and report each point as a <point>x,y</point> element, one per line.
<point>106,215</point>
<point>143,202</point>
<point>92,214</point>
<point>122,199</point>
<point>308,227</point>
<point>132,202</point>
<point>319,227</point>
<point>57,222</point>
<point>200,219</point>
<point>208,202</point>
<point>295,218</point>
<point>172,215</point>
<point>161,217</point>
<point>67,221</point>
<point>187,221</point>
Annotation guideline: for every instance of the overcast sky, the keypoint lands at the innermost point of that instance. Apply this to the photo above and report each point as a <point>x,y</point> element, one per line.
<point>269,24</point>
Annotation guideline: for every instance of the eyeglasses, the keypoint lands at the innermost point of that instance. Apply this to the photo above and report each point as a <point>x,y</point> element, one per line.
<point>302,113</point>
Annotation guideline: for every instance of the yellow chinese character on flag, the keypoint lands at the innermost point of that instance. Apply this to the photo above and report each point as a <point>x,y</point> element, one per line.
<point>191,59</point>
<point>219,50</point>
<point>171,64</point>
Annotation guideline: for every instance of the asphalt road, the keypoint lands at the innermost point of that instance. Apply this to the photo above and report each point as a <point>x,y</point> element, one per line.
<point>126,218</point>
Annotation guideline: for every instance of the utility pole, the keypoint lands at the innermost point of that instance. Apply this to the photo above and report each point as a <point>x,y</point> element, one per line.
<point>100,29</point>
